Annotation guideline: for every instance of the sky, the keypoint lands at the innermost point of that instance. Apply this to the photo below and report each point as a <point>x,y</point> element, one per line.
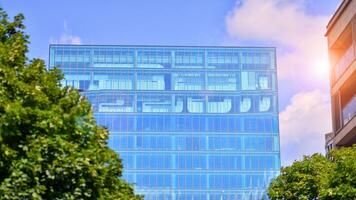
<point>295,27</point>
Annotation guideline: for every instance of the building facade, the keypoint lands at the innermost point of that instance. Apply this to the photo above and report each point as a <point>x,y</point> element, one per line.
<point>341,35</point>
<point>188,122</point>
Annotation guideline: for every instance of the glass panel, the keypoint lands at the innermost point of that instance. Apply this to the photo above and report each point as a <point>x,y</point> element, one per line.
<point>219,104</point>
<point>191,182</point>
<point>153,59</point>
<point>222,82</point>
<point>223,60</point>
<point>111,103</point>
<point>245,104</point>
<point>344,62</point>
<point>178,104</point>
<point>112,81</point>
<point>187,81</point>
<point>264,104</point>
<point>188,59</point>
<point>349,111</point>
<point>113,58</point>
<point>195,104</point>
<point>263,82</point>
<point>79,81</point>
<point>191,161</point>
<point>150,82</point>
<point>150,103</point>
<point>198,131</point>
<point>223,57</point>
<point>191,143</point>
<point>256,60</point>
<point>248,81</point>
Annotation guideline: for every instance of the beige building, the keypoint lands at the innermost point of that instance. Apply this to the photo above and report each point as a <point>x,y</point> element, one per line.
<point>341,35</point>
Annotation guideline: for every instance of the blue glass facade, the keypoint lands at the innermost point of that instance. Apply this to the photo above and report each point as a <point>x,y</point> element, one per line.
<point>188,122</point>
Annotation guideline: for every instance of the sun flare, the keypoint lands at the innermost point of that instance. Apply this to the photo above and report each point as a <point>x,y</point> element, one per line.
<point>321,69</point>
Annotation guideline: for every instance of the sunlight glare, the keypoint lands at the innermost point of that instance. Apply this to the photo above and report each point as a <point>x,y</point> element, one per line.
<point>321,69</point>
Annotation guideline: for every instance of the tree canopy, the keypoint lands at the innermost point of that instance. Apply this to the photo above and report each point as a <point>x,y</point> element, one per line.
<point>50,144</point>
<point>318,177</point>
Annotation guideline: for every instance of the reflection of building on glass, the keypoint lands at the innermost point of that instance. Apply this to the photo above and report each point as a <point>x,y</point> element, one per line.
<point>188,122</point>
<point>115,104</point>
<point>222,82</point>
<point>341,34</point>
<point>150,82</point>
<point>219,104</point>
<point>191,81</point>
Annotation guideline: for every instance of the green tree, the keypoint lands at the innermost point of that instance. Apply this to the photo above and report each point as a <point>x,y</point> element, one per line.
<point>318,177</point>
<point>302,180</point>
<point>341,182</point>
<point>50,145</point>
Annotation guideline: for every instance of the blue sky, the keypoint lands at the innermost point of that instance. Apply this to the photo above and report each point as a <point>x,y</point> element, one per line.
<point>295,27</point>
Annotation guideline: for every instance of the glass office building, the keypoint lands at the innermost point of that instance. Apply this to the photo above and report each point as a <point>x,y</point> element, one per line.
<point>188,122</point>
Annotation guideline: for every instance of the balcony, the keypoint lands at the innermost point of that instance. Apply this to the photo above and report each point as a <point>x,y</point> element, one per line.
<point>349,110</point>
<point>344,62</point>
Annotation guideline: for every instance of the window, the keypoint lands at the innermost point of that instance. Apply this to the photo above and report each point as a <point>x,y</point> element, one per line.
<point>188,81</point>
<point>195,104</point>
<point>116,58</point>
<point>149,142</point>
<point>190,143</point>
<point>189,59</point>
<point>263,82</point>
<point>153,59</point>
<point>349,110</point>
<point>219,104</point>
<point>245,104</point>
<point>150,82</point>
<point>157,104</point>
<point>224,181</point>
<point>178,104</point>
<point>190,182</point>
<point>222,82</point>
<point>225,143</point>
<point>124,56</point>
<point>264,104</point>
<point>79,81</point>
<point>191,161</point>
<point>109,103</point>
<point>112,82</point>
<point>223,57</point>
<point>256,59</point>
<point>248,81</point>
<point>152,161</point>
<point>224,162</point>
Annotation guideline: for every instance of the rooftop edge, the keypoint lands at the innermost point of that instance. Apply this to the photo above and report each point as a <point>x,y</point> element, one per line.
<point>336,15</point>
<point>167,46</point>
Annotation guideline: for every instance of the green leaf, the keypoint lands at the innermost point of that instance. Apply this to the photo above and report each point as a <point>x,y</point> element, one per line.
<point>50,145</point>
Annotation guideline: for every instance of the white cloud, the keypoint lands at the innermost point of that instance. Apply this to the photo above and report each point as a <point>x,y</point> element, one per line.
<point>302,61</point>
<point>67,37</point>
<point>286,24</point>
<point>303,124</point>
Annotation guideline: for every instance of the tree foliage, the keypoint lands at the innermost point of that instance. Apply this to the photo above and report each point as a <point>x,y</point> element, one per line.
<point>318,177</point>
<point>303,179</point>
<point>50,145</point>
<point>341,182</point>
